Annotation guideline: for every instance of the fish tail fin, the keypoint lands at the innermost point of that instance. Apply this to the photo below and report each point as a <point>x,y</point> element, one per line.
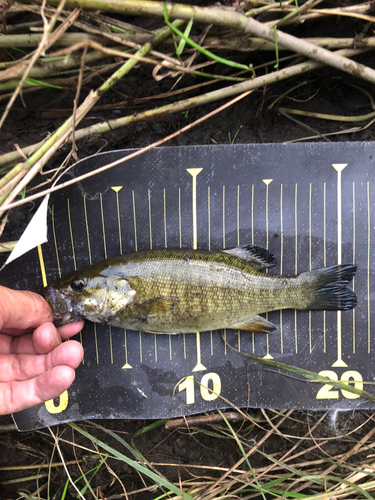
<point>329,289</point>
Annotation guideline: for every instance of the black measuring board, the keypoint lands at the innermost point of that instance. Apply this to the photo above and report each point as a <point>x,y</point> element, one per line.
<point>312,205</point>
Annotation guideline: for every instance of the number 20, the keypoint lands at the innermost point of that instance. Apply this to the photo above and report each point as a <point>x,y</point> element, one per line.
<point>327,391</point>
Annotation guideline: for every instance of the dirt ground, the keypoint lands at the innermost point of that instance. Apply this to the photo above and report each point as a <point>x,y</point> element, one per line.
<point>250,121</point>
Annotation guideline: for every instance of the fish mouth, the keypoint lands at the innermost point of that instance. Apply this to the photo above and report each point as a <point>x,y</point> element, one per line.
<point>61,306</point>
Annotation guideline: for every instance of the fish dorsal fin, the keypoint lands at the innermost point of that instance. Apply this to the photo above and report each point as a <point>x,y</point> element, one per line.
<point>255,324</point>
<point>258,257</point>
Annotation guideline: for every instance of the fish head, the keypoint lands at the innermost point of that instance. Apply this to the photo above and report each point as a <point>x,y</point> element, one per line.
<point>97,298</point>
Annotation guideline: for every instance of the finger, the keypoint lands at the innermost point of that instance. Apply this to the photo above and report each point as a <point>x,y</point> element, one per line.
<point>17,396</point>
<point>27,366</point>
<point>45,338</point>
<point>22,310</point>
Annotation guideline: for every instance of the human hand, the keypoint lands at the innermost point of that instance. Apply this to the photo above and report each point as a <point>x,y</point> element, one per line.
<point>35,365</point>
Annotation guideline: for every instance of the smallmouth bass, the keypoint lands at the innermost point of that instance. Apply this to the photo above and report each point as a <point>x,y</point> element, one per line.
<point>184,291</point>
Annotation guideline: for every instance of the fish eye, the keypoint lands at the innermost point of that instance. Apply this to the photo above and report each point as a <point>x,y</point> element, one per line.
<point>77,285</point>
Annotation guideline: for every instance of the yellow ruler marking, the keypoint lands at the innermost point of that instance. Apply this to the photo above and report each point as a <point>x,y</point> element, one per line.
<point>324,256</point>
<point>155,348</point>
<point>170,346</point>
<point>87,229</point>
<point>55,240</point>
<point>310,262</point>
<point>105,255</point>
<point>238,215</point>
<point>199,366</point>
<point>71,235</point>
<point>295,259</point>
<point>110,343</point>
<point>140,346</point>
<point>103,227</point>
<point>179,215</point>
<point>134,223</point>
<point>267,182</point>
<point>96,344</point>
<point>295,229</point>
<point>339,167</point>
<point>252,342</point>
<point>116,189</point>
<point>73,249</point>
<point>209,216</point>
<point>353,310</point>
<point>368,270</point>
<point>149,217</point>
<point>238,244</point>
<point>194,172</point>
<point>225,341</point>
<point>310,228</point>
<point>252,214</point>
<point>281,262</point>
<point>268,355</point>
<point>165,220</point>
<point>42,267</point>
<point>212,344</point>
<point>325,224</point>
<point>126,365</point>
<point>223,216</point>
<point>183,336</point>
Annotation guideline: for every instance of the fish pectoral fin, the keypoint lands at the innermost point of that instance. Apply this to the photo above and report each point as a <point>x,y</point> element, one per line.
<point>258,257</point>
<point>255,324</point>
<point>156,305</point>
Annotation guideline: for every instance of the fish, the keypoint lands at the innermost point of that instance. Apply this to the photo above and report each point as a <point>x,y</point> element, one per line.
<point>186,291</point>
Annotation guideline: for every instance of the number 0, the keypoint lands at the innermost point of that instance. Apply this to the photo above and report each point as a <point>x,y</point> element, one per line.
<point>63,403</point>
<point>206,393</point>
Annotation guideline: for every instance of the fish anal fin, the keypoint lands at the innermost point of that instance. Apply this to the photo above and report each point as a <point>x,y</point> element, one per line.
<point>258,257</point>
<point>255,324</point>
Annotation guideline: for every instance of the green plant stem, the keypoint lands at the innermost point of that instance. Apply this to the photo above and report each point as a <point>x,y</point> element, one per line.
<point>228,19</point>
<point>67,62</point>
<point>249,44</point>
<point>298,11</point>
<point>67,39</point>
<point>10,180</point>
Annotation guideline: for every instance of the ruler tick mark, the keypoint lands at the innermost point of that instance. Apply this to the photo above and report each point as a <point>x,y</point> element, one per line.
<point>339,167</point>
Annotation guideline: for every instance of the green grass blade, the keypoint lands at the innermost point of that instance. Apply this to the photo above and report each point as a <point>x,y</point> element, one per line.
<point>201,49</point>
<point>182,43</point>
<point>239,444</point>
<point>38,83</point>
<point>161,481</point>
<point>311,376</point>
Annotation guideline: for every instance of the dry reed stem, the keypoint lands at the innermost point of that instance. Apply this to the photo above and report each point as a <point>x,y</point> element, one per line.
<point>172,108</point>
<point>113,164</point>
<point>47,40</point>
<point>9,188</point>
<point>227,18</point>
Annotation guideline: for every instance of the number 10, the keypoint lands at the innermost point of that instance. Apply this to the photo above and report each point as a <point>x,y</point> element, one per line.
<point>206,393</point>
